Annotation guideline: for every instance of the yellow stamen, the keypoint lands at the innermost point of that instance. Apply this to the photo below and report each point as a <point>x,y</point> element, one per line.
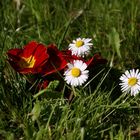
<point>27,62</point>
<point>79,43</point>
<point>75,72</point>
<point>132,81</point>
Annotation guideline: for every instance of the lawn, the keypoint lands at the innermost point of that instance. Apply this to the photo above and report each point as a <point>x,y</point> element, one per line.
<point>96,110</point>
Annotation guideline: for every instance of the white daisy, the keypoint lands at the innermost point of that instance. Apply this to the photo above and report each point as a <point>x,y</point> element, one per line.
<point>80,46</point>
<point>76,74</point>
<point>130,82</point>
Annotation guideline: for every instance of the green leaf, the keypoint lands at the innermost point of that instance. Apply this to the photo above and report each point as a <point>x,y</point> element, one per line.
<point>36,111</point>
<point>114,41</point>
<point>53,85</point>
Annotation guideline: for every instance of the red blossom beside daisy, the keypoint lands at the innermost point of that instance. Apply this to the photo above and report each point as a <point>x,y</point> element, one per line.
<point>47,61</point>
<point>30,59</point>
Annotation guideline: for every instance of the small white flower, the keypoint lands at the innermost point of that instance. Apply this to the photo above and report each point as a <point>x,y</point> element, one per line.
<point>76,74</point>
<point>130,82</point>
<point>80,46</point>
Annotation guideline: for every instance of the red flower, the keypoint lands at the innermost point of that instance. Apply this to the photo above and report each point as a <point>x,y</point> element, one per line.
<point>56,61</point>
<point>30,59</point>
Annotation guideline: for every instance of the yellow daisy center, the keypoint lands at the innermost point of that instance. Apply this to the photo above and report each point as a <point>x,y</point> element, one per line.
<point>75,72</point>
<point>132,81</point>
<point>79,43</point>
<point>27,62</point>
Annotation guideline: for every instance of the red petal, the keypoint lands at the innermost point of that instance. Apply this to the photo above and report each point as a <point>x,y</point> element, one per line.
<point>96,59</point>
<point>29,49</point>
<point>69,57</point>
<point>18,69</point>
<point>44,84</point>
<point>13,54</point>
<point>41,55</point>
<point>56,61</point>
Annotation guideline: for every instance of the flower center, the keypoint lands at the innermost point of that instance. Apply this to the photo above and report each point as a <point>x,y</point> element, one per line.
<point>79,43</point>
<point>27,62</point>
<point>75,72</point>
<point>132,81</point>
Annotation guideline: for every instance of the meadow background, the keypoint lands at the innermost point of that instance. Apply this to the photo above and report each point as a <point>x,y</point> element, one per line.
<point>114,26</point>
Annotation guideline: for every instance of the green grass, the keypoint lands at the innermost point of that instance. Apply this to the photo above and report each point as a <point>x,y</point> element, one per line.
<point>102,113</point>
